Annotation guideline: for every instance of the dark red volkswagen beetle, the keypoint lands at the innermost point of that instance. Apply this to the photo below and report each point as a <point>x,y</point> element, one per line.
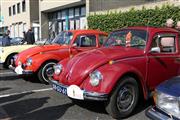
<point>132,63</point>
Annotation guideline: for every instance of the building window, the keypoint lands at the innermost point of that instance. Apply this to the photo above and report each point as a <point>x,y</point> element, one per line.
<point>23,5</point>
<point>10,11</point>
<point>14,9</point>
<point>18,8</point>
<point>77,12</point>
<point>64,14</point>
<point>83,11</point>
<point>59,15</point>
<point>71,13</point>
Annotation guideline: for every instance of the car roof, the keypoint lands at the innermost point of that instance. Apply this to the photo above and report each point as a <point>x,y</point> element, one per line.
<point>88,31</point>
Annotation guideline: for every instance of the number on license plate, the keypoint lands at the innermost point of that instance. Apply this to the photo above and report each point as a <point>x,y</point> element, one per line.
<point>60,89</point>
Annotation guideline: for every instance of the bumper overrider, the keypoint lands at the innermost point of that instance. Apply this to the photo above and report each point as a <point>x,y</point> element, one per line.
<point>20,71</point>
<point>155,113</point>
<point>73,91</point>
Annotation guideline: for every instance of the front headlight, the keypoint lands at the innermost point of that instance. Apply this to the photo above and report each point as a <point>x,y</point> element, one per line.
<point>57,69</point>
<point>168,103</point>
<point>29,62</point>
<point>95,78</point>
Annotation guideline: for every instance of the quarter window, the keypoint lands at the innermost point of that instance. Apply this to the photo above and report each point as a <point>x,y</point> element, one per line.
<point>164,43</point>
<point>86,41</point>
<point>102,39</point>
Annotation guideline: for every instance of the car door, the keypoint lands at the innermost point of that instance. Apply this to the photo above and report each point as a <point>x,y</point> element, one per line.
<point>84,42</point>
<point>163,59</point>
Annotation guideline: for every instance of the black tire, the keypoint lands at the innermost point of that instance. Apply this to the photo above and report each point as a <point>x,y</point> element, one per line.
<point>42,73</point>
<point>8,61</point>
<point>124,98</point>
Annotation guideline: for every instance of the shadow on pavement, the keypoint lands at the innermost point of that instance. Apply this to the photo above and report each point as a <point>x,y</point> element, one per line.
<point>12,98</point>
<point>94,106</point>
<point>12,77</point>
<point>4,89</point>
<point>49,113</point>
<point>15,110</point>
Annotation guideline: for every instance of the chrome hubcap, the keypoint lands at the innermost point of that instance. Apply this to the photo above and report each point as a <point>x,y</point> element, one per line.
<point>125,98</point>
<point>48,71</point>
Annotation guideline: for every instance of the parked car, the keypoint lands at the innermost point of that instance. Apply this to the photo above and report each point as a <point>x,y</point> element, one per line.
<point>40,60</point>
<point>167,100</point>
<point>7,52</point>
<point>132,63</point>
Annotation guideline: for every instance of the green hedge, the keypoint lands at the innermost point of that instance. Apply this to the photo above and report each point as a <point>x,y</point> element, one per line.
<point>144,17</point>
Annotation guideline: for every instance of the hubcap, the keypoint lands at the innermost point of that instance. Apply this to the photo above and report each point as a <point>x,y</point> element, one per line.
<point>125,98</point>
<point>48,71</point>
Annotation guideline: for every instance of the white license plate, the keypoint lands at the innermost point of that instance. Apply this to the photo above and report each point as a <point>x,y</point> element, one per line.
<point>19,70</point>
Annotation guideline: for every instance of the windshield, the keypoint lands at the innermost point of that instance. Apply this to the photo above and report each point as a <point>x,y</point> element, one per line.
<point>128,38</point>
<point>63,38</point>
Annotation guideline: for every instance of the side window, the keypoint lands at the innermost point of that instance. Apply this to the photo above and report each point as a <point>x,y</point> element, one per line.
<point>86,41</point>
<point>164,44</point>
<point>102,39</point>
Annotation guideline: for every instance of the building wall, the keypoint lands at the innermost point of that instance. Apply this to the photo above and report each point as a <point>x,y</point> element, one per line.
<point>48,7</point>
<point>16,22</point>
<point>20,21</point>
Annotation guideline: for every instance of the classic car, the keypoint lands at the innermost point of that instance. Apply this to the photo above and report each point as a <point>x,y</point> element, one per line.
<point>7,52</point>
<point>133,61</point>
<point>167,100</point>
<point>39,60</point>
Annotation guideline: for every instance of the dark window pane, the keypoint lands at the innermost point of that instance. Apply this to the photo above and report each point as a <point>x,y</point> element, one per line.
<point>14,9</point>
<point>10,11</point>
<point>24,6</point>
<point>18,8</point>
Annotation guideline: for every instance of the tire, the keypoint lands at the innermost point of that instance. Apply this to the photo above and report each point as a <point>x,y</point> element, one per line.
<point>124,98</point>
<point>8,61</point>
<point>42,73</point>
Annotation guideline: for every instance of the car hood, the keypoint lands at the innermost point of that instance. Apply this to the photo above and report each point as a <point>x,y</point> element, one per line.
<point>171,87</point>
<point>79,67</point>
<point>36,50</point>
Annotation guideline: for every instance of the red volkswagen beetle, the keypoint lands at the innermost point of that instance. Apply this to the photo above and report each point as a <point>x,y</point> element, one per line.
<point>40,59</point>
<point>132,63</point>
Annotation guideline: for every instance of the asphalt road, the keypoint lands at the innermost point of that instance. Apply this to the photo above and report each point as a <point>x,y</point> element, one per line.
<point>30,100</point>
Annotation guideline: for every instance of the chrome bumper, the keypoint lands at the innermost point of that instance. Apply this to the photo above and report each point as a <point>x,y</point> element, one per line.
<point>156,114</point>
<point>24,72</point>
<point>86,94</point>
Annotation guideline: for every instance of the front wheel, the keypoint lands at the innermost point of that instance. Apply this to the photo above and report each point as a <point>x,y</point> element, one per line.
<point>124,98</point>
<point>46,71</point>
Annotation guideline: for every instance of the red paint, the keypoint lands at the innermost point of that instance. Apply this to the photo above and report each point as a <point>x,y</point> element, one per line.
<point>57,52</point>
<point>150,69</point>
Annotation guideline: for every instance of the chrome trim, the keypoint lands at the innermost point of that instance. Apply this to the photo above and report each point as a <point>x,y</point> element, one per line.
<point>156,114</point>
<point>87,95</point>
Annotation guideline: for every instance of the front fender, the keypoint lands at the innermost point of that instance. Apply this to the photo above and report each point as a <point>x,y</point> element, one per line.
<point>111,75</point>
<point>39,59</point>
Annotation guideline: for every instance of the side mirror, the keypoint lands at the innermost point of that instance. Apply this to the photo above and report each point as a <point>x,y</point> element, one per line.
<point>155,50</point>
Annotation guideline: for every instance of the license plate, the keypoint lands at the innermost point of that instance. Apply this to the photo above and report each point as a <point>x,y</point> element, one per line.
<point>59,89</point>
<point>18,70</point>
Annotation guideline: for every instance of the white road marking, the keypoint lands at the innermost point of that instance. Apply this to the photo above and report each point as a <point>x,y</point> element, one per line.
<point>24,92</point>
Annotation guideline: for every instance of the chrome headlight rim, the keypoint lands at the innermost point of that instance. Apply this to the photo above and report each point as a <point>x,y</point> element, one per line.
<point>95,78</point>
<point>29,62</point>
<point>58,69</point>
<point>163,102</point>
